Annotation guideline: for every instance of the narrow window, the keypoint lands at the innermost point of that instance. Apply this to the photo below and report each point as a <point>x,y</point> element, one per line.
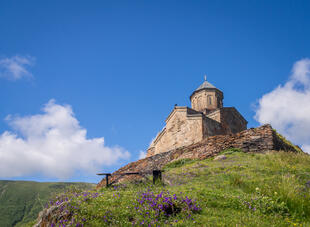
<point>209,100</point>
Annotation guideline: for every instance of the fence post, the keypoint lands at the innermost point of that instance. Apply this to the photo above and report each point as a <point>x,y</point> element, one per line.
<point>107,179</point>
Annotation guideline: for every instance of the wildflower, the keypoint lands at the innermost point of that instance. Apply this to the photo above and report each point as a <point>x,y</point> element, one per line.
<point>257,189</point>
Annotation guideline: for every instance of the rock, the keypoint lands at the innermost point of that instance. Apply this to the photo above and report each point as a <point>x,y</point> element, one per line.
<point>219,157</point>
<point>50,215</point>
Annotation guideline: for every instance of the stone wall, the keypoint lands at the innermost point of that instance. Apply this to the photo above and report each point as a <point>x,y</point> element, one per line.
<point>206,99</point>
<point>211,127</point>
<point>232,121</point>
<point>214,115</point>
<point>183,127</point>
<point>258,139</point>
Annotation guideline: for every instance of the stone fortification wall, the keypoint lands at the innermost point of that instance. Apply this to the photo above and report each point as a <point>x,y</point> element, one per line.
<point>258,139</point>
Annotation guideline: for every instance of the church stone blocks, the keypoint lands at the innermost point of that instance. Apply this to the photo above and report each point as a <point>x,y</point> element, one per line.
<point>206,117</point>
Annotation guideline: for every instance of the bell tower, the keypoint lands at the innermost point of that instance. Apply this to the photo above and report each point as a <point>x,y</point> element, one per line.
<point>206,97</point>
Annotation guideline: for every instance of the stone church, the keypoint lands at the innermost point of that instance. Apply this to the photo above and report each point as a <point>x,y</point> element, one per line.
<point>206,117</point>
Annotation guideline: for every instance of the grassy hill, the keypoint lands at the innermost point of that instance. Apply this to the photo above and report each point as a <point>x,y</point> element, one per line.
<point>271,189</point>
<point>21,201</point>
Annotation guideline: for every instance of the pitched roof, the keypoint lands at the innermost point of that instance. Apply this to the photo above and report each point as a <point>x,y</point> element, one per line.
<point>205,84</point>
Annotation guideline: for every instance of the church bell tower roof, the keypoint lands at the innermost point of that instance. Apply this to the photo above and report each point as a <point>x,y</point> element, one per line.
<point>206,86</point>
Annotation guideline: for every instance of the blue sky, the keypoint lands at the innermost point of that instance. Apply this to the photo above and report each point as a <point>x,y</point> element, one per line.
<point>122,65</point>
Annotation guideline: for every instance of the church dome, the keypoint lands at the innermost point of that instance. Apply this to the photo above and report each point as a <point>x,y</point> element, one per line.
<point>204,85</point>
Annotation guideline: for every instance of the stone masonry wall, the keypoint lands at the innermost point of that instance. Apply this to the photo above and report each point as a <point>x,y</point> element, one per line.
<point>200,100</point>
<point>182,129</point>
<point>211,127</point>
<point>252,140</point>
<point>214,115</point>
<point>232,121</point>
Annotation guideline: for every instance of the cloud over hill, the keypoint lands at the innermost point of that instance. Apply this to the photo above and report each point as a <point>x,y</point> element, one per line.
<point>287,107</point>
<point>53,144</point>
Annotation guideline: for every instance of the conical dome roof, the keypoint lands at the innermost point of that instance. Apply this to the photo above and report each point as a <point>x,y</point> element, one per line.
<point>205,84</point>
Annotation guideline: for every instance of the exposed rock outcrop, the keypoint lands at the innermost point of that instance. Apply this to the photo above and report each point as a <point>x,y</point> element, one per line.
<point>220,157</point>
<point>50,216</point>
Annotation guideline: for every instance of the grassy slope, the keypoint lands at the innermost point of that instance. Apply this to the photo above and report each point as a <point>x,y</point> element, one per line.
<point>243,190</point>
<point>276,184</point>
<point>21,201</point>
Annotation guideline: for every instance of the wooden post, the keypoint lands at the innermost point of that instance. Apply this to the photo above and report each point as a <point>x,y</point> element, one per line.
<point>107,179</point>
<point>107,175</point>
<point>156,176</point>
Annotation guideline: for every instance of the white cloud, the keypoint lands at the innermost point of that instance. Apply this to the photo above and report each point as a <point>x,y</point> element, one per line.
<point>53,144</point>
<point>15,68</point>
<point>142,154</point>
<point>287,107</point>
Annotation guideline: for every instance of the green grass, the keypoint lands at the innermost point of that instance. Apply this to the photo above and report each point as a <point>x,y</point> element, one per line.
<point>297,149</point>
<point>230,151</point>
<point>271,189</point>
<point>178,163</point>
<point>21,201</point>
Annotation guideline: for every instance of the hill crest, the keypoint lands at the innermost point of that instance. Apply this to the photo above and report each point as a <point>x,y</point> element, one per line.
<point>260,139</point>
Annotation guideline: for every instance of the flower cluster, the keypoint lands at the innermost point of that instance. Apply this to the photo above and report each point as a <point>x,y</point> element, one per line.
<point>153,207</point>
<point>67,206</point>
<point>120,207</point>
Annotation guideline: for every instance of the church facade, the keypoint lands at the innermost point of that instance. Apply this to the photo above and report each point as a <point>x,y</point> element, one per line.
<point>206,117</point>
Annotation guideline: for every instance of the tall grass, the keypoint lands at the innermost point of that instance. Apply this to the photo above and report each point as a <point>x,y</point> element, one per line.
<point>269,189</point>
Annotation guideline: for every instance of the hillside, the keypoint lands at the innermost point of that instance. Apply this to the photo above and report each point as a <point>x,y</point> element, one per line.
<point>21,201</point>
<point>253,140</point>
<point>241,189</point>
